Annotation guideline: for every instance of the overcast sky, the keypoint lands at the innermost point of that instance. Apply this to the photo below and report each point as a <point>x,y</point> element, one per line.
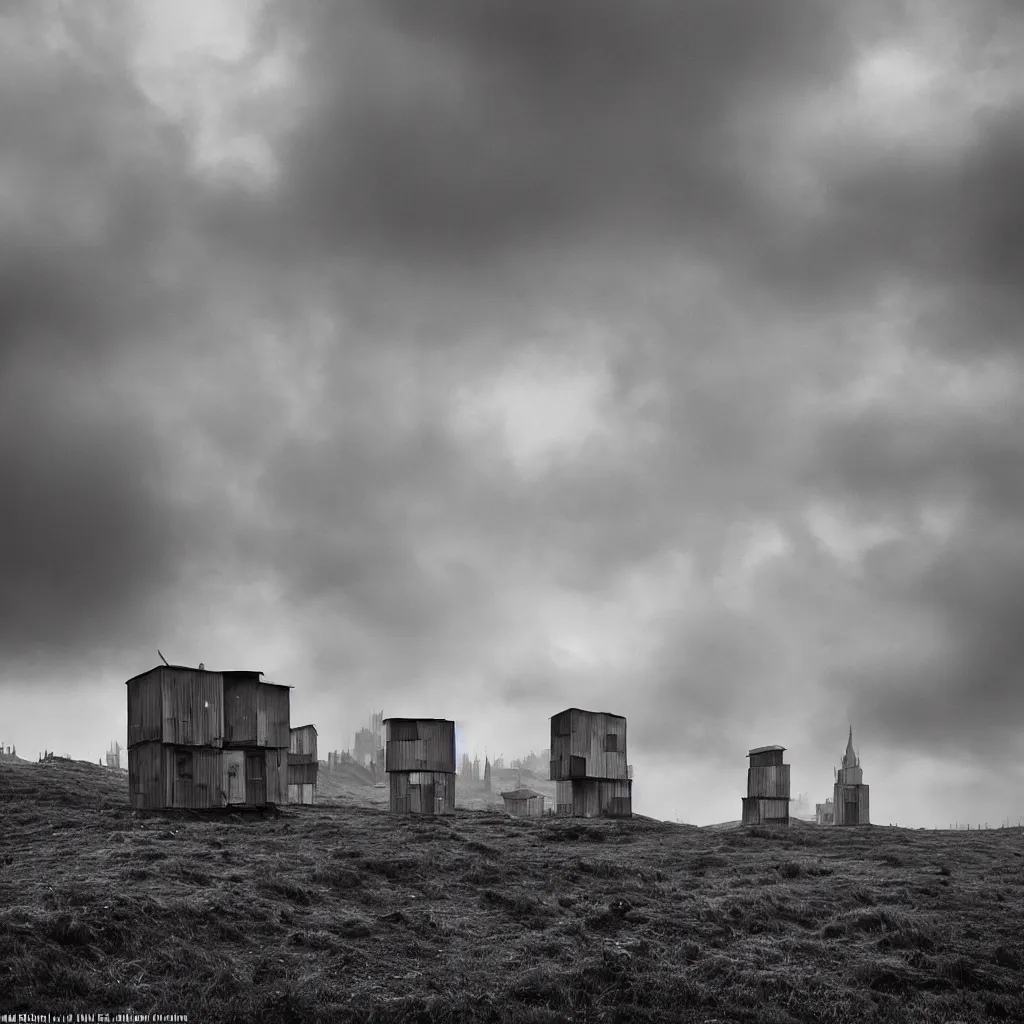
<point>478,358</point>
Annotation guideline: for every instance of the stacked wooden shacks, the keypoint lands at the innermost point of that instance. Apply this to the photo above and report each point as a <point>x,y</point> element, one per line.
<point>588,765</point>
<point>850,795</point>
<point>419,758</point>
<point>767,799</point>
<point>203,739</point>
<point>302,765</point>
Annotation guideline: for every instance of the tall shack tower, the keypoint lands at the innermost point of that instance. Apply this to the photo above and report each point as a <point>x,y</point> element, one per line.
<point>767,799</point>
<point>850,795</point>
<point>419,757</point>
<point>588,765</point>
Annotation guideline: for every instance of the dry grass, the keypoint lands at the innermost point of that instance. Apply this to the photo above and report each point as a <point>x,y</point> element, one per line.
<point>343,913</point>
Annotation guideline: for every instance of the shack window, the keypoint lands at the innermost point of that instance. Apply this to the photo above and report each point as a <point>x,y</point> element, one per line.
<point>563,724</point>
<point>403,732</point>
<point>611,743</point>
<point>183,759</point>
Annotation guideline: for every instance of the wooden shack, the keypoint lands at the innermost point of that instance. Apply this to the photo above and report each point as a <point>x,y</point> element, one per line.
<point>767,799</point>
<point>419,758</point>
<point>824,814</point>
<point>302,765</point>
<point>524,803</point>
<point>201,739</point>
<point>850,794</point>
<point>588,765</point>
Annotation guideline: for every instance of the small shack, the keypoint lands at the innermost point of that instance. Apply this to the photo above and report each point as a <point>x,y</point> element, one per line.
<point>302,765</point>
<point>588,765</point>
<point>824,814</point>
<point>850,795</point>
<point>524,803</point>
<point>419,758</point>
<point>200,739</point>
<point>767,799</point>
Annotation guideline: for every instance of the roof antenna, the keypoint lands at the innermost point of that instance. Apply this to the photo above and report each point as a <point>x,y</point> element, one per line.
<point>163,659</point>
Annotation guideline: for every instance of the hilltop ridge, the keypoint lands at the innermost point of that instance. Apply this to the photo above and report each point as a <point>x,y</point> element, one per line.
<point>341,912</point>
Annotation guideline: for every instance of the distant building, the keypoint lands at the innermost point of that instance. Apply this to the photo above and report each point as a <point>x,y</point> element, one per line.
<point>850,795</point>
<point>524,803</point>
<point>824,814</point>
<point>114,755</point>
<point>419,757</point>
<point>588,765</point>
<point>767,799</point>
<point>368,750</point>
<point>302,765</point>
<point>203,739</point>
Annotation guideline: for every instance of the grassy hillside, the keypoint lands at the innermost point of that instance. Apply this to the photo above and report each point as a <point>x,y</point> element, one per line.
<point>344,913</point>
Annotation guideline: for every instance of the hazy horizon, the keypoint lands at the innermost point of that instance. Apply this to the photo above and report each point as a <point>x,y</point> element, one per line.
<point>481,358</point>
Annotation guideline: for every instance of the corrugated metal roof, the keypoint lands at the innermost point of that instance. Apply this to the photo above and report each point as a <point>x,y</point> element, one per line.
<point>520,794</point>
<point>586,712</point>
<point>764,750</point>
<point>295,728</point>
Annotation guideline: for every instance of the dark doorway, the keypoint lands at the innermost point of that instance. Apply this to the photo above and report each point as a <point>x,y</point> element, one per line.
<point>427,798</point>
<point>255,780</point>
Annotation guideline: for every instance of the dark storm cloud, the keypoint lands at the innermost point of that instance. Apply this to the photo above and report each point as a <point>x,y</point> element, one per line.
<point>455,133</point>
<point>448,177</point>
<point>524,157</point>
<point>88,543</point>
<point>963,655</point>
<point>463,130</point>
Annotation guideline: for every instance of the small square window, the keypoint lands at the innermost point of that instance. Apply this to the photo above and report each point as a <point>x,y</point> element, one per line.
<point>611,743</point>
<point>183,761</point>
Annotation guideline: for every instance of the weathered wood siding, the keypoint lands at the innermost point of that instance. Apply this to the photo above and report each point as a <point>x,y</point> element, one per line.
<point>850,805</point>
<point>301,794</point>
<point>145,774</point>
<point>273,724</point>
<point>277,775</point>
<point>593,748</point>
<point>240,712</point>
<point>770,781</point>
<point>594,798</point>
<point>145,709</point>
<point>256,714</point>
<point>302,758</point>
<point>425,745</point>
<point>193,707</point>
<point>303,742</point>
<point>302,774</point>
<point>422,792</point>
<point>193,777</point>
<point>761,811</point>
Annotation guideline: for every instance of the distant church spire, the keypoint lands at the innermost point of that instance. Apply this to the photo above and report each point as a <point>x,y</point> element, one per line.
<point>850,758</point>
